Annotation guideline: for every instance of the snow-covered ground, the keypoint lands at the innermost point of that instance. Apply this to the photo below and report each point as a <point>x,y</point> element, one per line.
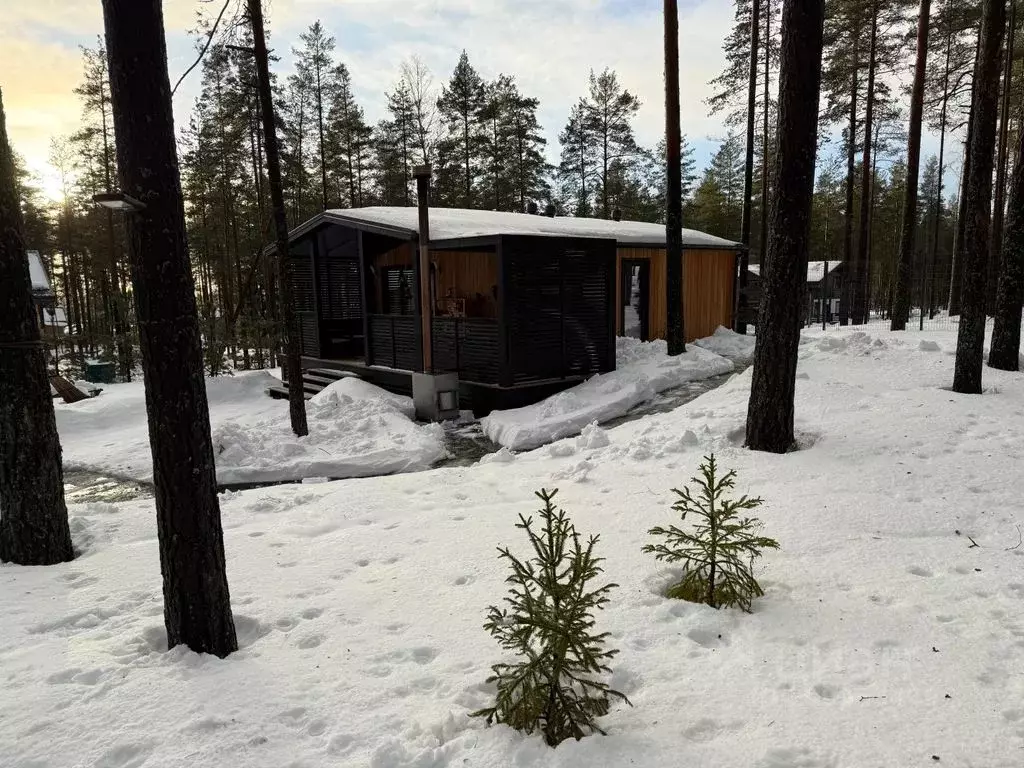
<point>355,430</point>
<point>643,369</point>
<point>885,638</point>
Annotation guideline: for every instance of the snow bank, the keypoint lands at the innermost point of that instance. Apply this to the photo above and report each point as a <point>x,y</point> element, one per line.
<point>643,370</point>
<point>884,637</point>
<point>725,342</point>
<point>355,430</point>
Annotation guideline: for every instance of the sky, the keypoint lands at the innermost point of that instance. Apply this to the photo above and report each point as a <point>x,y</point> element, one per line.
<point>549,45</point>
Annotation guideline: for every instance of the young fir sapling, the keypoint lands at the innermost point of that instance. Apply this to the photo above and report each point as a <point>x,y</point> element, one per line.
<point>718,553</point>
<point>554,685</point>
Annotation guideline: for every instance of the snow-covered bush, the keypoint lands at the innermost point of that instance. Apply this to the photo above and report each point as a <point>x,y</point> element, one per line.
<point>554,685</point>
<point>718,553</point>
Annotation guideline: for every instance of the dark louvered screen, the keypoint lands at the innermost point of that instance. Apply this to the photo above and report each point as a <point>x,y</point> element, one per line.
<point>300,270</point>
<point>585,308</point>
<point>308,334</point>
<point>468,346</point>
<point>338,289</point>
<point>395,342</point>
<point>398,286</point>
<point>559,305</point>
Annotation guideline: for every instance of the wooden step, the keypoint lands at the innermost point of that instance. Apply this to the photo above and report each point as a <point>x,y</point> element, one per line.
<point>329,373</point>
<point>314,380</point>
<point>281,393</point>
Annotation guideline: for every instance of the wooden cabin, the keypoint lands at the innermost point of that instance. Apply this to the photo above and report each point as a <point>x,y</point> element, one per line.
<point>823,290</point>
<point>522,305</point>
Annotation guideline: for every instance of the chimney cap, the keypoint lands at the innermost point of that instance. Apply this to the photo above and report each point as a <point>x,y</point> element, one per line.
<point>617,214</point>
<point>549,210</point>
<point>421,170</point>
<point>531,208</point>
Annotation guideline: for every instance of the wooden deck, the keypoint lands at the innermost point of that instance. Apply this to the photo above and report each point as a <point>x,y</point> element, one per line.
<point>480,398</point>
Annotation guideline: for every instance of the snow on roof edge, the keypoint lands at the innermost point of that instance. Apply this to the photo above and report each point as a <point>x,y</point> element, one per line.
<point>463,223</point>
<point>36,273</point>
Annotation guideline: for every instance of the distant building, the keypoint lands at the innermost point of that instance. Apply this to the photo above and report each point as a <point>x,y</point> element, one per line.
<point>521,305</point>
<point>52,319</point>
<point>817,280</point>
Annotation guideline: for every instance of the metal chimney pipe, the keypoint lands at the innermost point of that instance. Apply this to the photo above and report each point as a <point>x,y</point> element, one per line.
<point>531,208</point>
<point>422,175</point>
<point>549,210</point>
<point>617,214</point>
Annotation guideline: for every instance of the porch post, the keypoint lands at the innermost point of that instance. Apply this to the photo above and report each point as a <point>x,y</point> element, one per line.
<point>422,174</point>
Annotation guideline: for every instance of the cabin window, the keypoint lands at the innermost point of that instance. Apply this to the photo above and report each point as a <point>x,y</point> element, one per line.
<point>398,290</point>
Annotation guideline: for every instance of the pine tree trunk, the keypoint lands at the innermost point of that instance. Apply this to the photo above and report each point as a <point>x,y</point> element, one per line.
<point>748,167</point>
<point>859,301</point>
<point>197,606</point>
<point>851,172</point>
<point>33,517</point>
<point>1005,350</point>
<point>959,245</point>
<point>943,117</point>
<point>770,411</point>
<point>296,398</point>
<point>320,125</point>
<point>901,302</point>
<point>985,105</point>
<point>933,255</point>
<point>765,165</point>
<point>999,205</point>
<point>673,186</point>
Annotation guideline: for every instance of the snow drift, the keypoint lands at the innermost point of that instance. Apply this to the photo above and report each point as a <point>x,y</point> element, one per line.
<point>355,430</point>
<point>644,369</point>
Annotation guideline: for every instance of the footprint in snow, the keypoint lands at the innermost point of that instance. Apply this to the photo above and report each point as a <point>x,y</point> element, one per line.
<point>826,690</point>
<point>917,570</point>
<point>792,757</point>
<point>708,638</point>
<point>125,756</point>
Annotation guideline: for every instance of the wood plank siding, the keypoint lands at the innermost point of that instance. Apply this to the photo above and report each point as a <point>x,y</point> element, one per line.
<point>708,277</point>
<point>469,275</point>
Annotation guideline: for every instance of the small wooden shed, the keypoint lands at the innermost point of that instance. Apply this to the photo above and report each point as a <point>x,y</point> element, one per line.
<point>521,305</point>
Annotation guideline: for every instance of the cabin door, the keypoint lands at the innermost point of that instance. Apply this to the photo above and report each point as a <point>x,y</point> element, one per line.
<point>634,298</point>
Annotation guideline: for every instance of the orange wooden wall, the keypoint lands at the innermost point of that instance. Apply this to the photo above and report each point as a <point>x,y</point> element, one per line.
<point>707,290</point>
<point>469,274</point>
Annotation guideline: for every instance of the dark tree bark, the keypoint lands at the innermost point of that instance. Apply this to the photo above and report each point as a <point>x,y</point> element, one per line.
<point>851,172</point>
<point>1002,163</point>
<point>674,187</point>
<point>1005,351</point>
<point>293,350</point>
<point>956,280</point>
<point>765,165</point>
<point>901,300</point>
<point>970,346</point>
<point>770,411</point>
<point>748,168</point>
<point>33,517</point>
<point>197,606</point>
<point>859,309</point>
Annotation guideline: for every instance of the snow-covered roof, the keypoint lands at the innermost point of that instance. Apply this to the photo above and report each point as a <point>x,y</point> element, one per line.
<point>462,223</point>
<point>36,273</point>
<point>815,269</point>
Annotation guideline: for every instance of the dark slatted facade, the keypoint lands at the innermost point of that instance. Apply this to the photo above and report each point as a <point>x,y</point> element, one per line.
<point>395,342</point>
<point>300,272</point>
<point>517,317</point>
<point>557,298</point>
<point>468,346</point>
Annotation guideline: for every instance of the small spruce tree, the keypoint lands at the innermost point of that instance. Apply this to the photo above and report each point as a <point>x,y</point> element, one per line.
<point>719,553</point>
<point>554,687</point>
